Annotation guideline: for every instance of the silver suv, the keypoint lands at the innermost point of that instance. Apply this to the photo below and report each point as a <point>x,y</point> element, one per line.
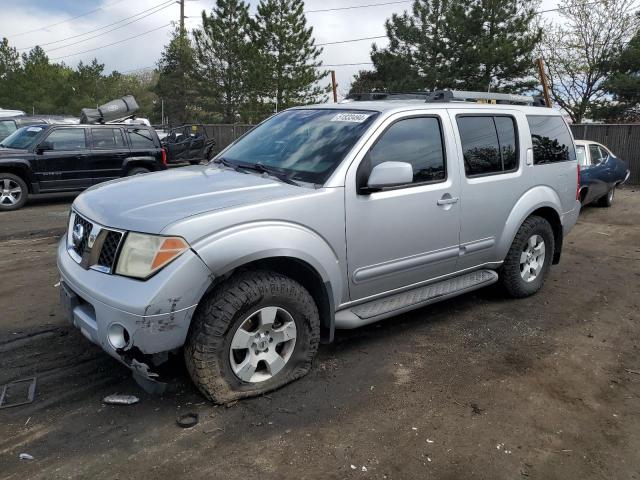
<point>322,217</point>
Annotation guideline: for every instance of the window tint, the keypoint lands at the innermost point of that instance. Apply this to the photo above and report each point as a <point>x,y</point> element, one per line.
<point>488,144</point>
<point>551,139</point>
<point>67,139</point>
<point>107,138</point>
<point>417,141</point>
<point>141,138</point>
<point>7,127</point>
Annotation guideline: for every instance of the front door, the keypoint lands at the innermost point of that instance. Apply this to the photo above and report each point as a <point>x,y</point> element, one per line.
<point>409,234</point>
<point>65,166</point>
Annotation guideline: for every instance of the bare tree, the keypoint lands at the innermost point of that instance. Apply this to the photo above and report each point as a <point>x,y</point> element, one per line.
<point>579,51</point>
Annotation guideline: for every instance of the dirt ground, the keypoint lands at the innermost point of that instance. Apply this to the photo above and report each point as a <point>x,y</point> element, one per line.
<point>478,387</point>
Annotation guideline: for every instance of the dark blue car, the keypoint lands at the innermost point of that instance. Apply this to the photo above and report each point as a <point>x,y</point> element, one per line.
<point>600,173</point>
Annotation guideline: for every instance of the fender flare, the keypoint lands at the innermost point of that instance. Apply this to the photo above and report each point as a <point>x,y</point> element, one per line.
<point>538,197</point>
<point>240,245</point>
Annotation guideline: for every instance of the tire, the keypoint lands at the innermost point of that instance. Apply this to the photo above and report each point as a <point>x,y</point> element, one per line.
<point>13,192</point>
<point>137,171</point>
<point>607,200</point>
<point>229,316</point>
<point>514,272</point>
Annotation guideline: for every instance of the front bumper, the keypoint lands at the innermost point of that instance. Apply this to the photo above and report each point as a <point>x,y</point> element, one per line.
<point>155,313</point>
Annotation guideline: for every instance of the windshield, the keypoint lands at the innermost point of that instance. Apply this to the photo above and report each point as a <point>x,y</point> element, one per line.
<point>22,138</point>
<point>306,145</point>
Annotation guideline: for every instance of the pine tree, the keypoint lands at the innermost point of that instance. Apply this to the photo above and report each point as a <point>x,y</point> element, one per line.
<point>9,69</point>
<point>290,69</point>
<point>470,45</point>
<point>226,57</point>
<point>176,83</point>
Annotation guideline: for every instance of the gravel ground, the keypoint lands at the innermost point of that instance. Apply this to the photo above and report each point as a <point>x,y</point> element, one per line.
<point>478,387</point>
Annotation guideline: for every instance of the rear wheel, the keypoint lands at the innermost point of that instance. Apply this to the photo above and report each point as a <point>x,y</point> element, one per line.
<point>256,332</point>
<point>13,192</point>
<point>607,200</point>
<point>137,171</point>
<point>526,266</point>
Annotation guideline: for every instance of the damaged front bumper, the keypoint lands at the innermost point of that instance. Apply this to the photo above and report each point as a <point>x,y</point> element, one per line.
<point>136,322</point>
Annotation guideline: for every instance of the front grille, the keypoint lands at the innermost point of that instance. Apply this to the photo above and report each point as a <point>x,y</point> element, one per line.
<point>92,245</point>
<point>81,247</point>
<point>109,249</point>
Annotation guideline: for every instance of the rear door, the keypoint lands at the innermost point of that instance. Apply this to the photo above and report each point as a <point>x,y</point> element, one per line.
<point>598,171</point>
<point>108,153</point>
<point>66,166</point>
<point>494,176</point>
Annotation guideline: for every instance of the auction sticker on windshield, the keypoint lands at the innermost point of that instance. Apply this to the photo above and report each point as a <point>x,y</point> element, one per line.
<point>351,117</point>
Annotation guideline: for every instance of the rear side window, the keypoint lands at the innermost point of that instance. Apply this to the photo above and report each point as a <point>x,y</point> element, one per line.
<point>141,138</point>
<point>417,141</point>
<point>107,138</point>
<point>67,139</point>
<point>551,139</point>
<point>489,144</point>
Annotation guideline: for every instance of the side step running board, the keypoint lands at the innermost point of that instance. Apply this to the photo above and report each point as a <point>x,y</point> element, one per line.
<point>401,302</point>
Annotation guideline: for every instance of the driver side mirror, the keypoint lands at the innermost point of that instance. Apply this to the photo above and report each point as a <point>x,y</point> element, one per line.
<point>43,147</point>
<point>389,174</point>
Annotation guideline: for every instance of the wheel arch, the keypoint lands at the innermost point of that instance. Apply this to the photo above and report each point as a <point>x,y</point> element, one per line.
<point>21,171</point>
<point>543,202</point>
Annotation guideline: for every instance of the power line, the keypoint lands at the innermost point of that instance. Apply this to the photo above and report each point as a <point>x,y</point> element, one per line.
<point>357,6</point>
<point>114,43</point>
<point>65,21</point>
<point>350,40</point>
<point>163,5</point>
<point>170,4</point>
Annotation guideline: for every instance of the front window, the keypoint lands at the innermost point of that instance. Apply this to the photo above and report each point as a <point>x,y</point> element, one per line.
<point>306,145</point>
<point>22,138</point>
<point>7,127</point>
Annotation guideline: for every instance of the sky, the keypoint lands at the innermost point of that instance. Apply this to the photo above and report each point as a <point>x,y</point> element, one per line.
<point>45,22</point>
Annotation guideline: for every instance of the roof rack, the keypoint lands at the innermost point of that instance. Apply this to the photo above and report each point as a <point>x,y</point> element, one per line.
<point>484,97</point>
<point>446,96</point>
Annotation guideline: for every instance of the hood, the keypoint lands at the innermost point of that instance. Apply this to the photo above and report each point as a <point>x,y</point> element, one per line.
<point>148,203</point>
<point>7,152</point>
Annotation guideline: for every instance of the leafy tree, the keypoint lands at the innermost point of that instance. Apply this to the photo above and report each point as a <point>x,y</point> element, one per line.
<point>176,84</point>
<point>579,50</point>
<point>226,59</point>
<point>9,68</point>
<point>624,84</point>
<point>472,45</point>
<point>289,70</point>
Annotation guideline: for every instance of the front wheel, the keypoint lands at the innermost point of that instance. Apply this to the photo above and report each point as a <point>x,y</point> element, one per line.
<point>13,192</point>
<point>256,332</point>
<point>527,264</point>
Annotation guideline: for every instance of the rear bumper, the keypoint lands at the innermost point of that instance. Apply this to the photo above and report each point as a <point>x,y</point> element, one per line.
<point>155,313</point>
<point>570,218</point>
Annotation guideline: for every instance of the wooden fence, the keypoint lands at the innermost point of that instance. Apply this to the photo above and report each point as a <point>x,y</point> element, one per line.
<point>224,134</point>
<point>623,140</point>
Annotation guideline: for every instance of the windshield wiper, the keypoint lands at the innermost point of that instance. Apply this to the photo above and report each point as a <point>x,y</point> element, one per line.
<point>227,163</point>
<point>261,168</point>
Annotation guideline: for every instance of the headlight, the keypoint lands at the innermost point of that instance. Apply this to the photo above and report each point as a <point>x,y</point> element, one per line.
<point>142,255</point>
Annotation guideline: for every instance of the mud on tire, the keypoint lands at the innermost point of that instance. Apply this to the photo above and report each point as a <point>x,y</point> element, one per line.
<point>225,310</point>
<point>511,277</point>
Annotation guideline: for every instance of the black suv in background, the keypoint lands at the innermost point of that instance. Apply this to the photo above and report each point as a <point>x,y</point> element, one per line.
<point>60,158</point>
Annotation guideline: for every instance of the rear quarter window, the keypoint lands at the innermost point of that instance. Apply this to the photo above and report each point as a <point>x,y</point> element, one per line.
<point>141,139</point>
<point>551,139</point>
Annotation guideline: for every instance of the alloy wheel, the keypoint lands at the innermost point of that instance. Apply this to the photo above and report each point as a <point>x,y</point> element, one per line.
<point>262,345</point>
<point>10,192</point>
<point>532,258</point>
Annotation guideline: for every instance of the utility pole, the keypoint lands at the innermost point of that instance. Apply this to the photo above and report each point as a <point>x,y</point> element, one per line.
<point>182,18</point>
<point>335,86</point>
<point>543,80</point>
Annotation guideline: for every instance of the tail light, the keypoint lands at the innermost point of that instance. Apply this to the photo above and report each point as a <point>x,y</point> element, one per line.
<point>578,184</point>
<point>164,157</point>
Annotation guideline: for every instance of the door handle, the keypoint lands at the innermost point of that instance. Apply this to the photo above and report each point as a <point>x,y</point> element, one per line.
<point>447,200</point>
